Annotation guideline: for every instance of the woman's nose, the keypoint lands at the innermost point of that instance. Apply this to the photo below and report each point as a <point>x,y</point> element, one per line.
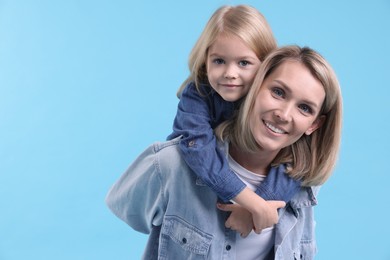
<point>284,114</point>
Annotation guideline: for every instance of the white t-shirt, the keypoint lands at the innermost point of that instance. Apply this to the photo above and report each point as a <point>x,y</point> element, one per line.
<point>254,246</point>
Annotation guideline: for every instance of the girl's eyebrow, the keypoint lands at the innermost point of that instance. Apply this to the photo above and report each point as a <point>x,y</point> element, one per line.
<point>288,89</point>
<point>215,54</point>
<point>244,55</point>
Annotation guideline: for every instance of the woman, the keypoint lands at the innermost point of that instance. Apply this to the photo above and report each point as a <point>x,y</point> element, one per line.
<point>294,103</point>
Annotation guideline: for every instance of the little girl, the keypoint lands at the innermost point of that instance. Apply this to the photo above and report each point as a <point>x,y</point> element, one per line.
<point>222,66</point>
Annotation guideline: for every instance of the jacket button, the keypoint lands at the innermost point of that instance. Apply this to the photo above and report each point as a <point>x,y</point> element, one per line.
<point>191,143</point>
<point>184,240</point>
<point>228,247</point>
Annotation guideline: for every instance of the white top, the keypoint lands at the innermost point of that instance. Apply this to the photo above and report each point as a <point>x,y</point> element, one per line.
<point>254,246</point>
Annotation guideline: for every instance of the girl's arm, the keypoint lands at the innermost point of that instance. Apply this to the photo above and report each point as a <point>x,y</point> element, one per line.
<point>199,146</point>
<point>136,197</point>
<point>276,186</point>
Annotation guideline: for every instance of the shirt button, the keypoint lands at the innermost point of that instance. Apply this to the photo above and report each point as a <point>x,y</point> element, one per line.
<point>191,143</point>
<point>228,247</point>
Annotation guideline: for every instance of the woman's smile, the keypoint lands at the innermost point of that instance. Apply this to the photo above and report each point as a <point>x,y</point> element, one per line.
<point>274,128</point>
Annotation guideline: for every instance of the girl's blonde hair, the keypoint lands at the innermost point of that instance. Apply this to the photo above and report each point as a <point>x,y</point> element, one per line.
<point>242,21</point>
<point>313,157</point>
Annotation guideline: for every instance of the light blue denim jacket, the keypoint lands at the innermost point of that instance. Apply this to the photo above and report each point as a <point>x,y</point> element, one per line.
<point>159,195</point>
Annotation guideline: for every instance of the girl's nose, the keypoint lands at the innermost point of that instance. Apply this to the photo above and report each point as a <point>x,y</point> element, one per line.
<point>230,73</point>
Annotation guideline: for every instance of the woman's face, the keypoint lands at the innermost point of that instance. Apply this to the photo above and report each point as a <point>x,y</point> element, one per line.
<point>287,106</point>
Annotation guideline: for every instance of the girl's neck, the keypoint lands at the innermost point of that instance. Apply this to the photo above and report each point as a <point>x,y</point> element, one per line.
<point>258,162</point>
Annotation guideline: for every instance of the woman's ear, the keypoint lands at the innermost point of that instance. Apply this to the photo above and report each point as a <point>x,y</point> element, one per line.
<point>316,124</point>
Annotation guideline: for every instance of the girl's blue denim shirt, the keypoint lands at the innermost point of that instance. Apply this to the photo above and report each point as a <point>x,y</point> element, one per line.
<point>197,116</point>
<point>159,195</point>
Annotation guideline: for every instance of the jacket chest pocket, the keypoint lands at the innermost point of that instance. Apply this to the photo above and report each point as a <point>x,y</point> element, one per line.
<point>181,240</point>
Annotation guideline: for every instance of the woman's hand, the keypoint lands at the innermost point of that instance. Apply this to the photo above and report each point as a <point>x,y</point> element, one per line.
<point>239,220</point>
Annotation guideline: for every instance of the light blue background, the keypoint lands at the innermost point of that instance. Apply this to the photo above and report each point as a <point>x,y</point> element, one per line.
<point>86,85</point>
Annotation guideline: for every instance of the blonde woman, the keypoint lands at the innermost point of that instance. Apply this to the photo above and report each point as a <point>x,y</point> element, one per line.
<point>290,123</point>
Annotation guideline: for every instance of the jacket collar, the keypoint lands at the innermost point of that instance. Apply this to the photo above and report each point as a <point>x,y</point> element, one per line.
<point>306,197</point>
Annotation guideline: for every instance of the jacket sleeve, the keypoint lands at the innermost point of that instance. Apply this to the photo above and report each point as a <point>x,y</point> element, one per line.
<point>136,198</point>
<point>278,185</point>
<point>199,146</point>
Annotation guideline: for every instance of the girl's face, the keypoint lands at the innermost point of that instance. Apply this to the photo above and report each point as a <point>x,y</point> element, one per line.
<point>231,67</point>
<point>287,106</point>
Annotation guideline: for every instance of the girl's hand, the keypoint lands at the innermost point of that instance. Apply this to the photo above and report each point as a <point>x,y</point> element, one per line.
<point>239,220</point>
<point>266,215</point>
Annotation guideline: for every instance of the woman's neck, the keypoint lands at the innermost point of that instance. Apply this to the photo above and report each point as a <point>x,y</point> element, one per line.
<point>258,162</point>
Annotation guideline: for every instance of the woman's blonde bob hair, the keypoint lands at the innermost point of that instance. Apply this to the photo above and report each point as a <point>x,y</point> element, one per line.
<point>241,21</point>
<point>313,157</point>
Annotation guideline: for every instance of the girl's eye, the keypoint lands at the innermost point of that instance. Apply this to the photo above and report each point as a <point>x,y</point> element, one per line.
<point>278,92</point>
<point>306,109</point>
<point>218,61</point>
<point>244,63</point>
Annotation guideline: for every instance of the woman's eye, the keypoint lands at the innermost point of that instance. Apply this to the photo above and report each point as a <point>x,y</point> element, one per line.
<point>278,92</point>
<point>306,109</point>
<point>218,61</point>
<point>244,63</point>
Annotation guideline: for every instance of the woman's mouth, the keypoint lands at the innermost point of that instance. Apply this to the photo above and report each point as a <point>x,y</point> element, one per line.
<point>274,128</point>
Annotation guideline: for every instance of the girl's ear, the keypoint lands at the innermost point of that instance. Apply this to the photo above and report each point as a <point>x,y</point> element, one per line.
<point>316,124</point>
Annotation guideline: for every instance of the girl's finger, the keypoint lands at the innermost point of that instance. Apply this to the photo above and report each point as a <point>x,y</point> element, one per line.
<point>224,207</point>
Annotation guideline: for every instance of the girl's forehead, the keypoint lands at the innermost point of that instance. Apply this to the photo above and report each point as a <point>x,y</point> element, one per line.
<point>231,44</point>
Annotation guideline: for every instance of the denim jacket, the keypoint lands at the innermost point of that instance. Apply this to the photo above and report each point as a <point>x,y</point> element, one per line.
<point>196,117</point>
<point>159,195</point>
